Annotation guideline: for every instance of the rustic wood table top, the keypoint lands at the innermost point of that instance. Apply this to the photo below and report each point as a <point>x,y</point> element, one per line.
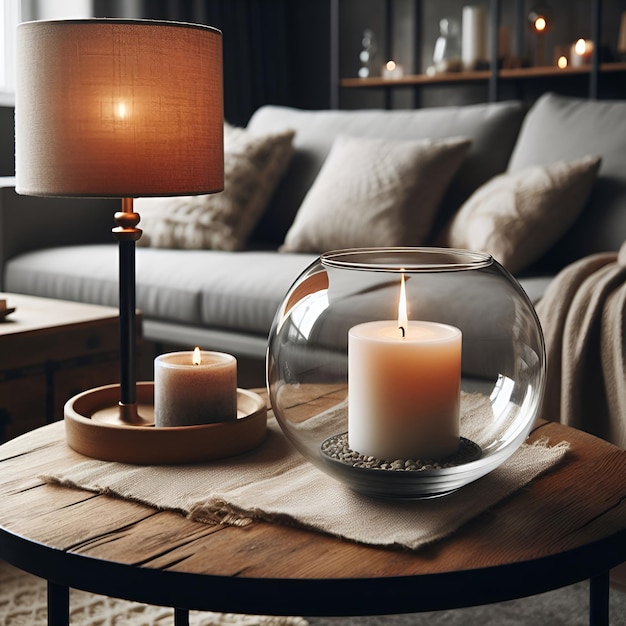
<point>567,525</point>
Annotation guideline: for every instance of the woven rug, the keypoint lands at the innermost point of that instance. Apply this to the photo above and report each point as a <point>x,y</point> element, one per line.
<point>23,603</point>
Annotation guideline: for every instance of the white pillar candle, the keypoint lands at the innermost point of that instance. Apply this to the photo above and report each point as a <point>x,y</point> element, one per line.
<point>187,393</point>
<point>581,53</point>
<point>404,382</point>
<point>473,36</point>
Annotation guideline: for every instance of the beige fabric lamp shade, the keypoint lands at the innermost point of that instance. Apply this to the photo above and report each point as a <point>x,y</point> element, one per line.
<point>121,108</point>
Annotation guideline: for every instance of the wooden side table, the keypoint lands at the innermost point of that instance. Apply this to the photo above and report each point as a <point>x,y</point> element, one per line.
<point>49,351</point>
<point>567,525</point>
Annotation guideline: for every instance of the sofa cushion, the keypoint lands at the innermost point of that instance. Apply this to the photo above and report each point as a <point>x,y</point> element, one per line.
<point>558,128</point>
<point>517,217</point>
<point>192,287</point>
<point>492,128</point>
<point>374,192</point>
<point>253,164</point>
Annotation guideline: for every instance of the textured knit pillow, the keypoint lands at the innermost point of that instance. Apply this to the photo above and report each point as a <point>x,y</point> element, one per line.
<point>253,165</point>
<point>374,192</point>
<point>517,217</point>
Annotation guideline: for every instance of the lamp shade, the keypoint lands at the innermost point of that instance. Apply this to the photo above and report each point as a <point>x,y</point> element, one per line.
<point>124,108</point>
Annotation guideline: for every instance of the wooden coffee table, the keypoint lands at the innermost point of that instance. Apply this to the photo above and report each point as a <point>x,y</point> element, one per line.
<point>567,525</point>
<point>49,351</point>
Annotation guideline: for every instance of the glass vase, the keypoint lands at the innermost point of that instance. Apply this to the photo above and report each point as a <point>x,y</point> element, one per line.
<point>406,372</point>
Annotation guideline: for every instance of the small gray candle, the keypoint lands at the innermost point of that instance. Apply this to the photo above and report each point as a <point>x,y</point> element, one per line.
<point>198,387</point>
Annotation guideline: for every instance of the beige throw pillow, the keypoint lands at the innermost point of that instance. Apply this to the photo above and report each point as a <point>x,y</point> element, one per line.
<point>253,165</point>
<point>517,217</point>
<point>374,192</point>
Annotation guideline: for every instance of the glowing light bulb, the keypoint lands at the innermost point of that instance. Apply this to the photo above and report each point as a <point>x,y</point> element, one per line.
<point>120,110</point>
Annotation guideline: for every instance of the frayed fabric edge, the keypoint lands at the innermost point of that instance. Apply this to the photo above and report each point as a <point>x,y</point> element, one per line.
<point>218,512</point>
<point>543,442</point>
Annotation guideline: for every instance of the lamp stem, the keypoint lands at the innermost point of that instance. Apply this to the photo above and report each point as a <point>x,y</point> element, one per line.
<point>127,233</point>
<point>127,322</point>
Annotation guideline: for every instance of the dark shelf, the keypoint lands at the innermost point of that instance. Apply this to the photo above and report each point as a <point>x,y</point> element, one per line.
<point>493,79</point>
<point>484,75</point>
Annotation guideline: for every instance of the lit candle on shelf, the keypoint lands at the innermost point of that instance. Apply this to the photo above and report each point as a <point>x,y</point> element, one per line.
<point>196,387</point>
<point>404,381</point>
<point>581,53</point>
<point>391,69</point>
<point>540,23</point>
<point>560,56</point>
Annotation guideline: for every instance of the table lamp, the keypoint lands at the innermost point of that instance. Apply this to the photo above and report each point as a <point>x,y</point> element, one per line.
<point>119,108</point>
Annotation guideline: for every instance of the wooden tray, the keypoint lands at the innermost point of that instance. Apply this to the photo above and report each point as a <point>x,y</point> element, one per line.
<point>147,445</point>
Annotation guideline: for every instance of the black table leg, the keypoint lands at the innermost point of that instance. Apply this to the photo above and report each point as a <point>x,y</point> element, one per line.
<point>181,617</point>
<point>58,604</point>
<point>599,600</point>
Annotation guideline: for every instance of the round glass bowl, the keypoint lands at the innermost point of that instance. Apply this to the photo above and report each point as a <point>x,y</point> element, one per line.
<point>352,413</point>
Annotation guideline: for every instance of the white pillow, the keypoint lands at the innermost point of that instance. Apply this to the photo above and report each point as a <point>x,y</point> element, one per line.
<point>374,192</point>
<point>517,217</point>
<point>253,165</point>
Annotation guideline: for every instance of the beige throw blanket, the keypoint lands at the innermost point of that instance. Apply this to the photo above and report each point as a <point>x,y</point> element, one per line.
<point>583,315</point>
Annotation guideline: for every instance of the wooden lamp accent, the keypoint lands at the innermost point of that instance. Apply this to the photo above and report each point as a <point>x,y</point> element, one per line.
<point>155,446</point>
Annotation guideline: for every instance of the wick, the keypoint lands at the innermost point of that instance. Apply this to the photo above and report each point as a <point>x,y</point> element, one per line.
<point>403,331</point>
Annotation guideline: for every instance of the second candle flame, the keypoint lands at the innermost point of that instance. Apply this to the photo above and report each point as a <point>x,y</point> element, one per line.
<point>403,316</point>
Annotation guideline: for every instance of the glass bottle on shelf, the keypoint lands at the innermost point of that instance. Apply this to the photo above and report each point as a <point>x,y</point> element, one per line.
<point>447,52</point>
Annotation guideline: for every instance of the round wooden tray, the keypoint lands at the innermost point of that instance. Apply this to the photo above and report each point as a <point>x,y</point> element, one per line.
<point>147,445</point>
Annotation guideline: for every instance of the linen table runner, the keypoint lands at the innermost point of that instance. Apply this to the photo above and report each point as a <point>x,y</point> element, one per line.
<point>276,483</point>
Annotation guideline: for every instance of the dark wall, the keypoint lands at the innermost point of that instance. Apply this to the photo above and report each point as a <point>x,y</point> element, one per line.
<point>308,53</point>
<point>7,141</point>
<point>275,51</point>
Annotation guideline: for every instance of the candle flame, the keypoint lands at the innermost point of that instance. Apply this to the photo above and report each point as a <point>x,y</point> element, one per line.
<point>580,47</point>
<point>391,65</point>
<point>197,357</point>
<point>403,316</point>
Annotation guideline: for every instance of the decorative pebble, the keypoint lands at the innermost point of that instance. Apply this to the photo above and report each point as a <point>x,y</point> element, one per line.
<point>337,448</point>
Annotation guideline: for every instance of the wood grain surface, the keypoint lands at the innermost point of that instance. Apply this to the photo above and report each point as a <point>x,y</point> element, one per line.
<point>567,525</point>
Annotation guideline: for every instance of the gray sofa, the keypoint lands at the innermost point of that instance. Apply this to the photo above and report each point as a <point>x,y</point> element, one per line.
<point>62,248</point>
